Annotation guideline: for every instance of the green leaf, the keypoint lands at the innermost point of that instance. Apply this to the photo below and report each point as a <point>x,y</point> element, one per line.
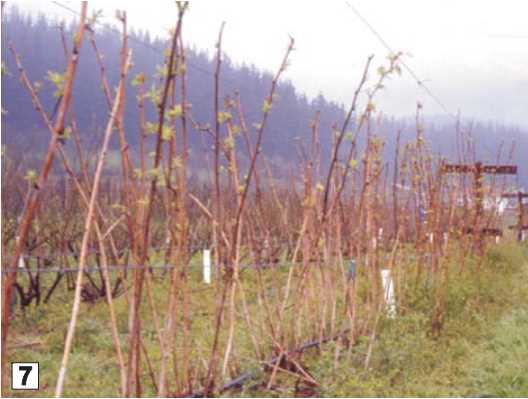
<point>137,173</point>
<point>161,71</point>
<point>223,117</point>
<point>167,133</point>
<point>5,71</point>
<point>234,129</point>
<point>154,95</point>
<point>176,111</point>
<point>151,128</point>
<point>266,107</point>
<point>138,80</point>
<point>58,81</point>
<point>31,176</point>
<point>229,143</point>
<point>66,134</point>
<point>155,172</point>
<point>353,163</point>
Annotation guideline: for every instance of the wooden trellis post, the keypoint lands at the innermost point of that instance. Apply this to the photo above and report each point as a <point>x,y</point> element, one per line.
<point>521,227</point>
<point>479,170</point>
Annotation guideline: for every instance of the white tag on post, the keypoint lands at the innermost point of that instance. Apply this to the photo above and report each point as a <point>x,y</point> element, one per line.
<point>21,263</point>
<point>207,266</point>
<point>388,289</point>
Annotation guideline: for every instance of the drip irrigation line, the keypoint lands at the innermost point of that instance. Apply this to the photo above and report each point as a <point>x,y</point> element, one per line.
<point>239,381</point>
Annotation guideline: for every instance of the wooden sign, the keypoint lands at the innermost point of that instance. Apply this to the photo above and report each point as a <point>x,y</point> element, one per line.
<point>500,169</point>
<point>479,168</point>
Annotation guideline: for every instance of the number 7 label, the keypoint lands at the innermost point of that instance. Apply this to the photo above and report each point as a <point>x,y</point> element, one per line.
<point>25,376</point>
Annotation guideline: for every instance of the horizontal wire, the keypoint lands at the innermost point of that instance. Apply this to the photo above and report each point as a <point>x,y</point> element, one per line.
<point>419,81</point>
<point>130,267</point>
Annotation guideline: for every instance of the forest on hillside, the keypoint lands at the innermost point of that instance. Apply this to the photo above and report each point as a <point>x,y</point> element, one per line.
<point>40,46</point>
<point>38,41</point>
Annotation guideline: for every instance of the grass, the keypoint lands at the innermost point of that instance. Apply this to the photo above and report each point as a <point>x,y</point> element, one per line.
<point>92,370</point>
<point>500,368</point>
<point>483,349</point>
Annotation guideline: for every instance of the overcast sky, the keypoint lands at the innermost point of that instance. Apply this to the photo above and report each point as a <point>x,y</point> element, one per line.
<point>473,54</point>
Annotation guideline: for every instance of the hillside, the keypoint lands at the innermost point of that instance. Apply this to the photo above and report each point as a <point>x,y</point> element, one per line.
<point>38,42</point>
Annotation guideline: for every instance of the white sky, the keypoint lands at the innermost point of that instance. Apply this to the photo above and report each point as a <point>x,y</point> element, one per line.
<point>473,54</point>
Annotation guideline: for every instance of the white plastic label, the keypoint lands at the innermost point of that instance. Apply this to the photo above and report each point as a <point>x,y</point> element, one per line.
<point>207,266</point>
<point>388,288</point>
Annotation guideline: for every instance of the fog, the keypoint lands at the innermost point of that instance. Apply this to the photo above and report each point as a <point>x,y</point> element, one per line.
<point>471,54</point>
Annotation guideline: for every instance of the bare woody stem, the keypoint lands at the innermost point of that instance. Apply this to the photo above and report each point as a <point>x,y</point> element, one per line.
<point>139,274</point>
<point>34,195</point>
<point>86,238</point>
